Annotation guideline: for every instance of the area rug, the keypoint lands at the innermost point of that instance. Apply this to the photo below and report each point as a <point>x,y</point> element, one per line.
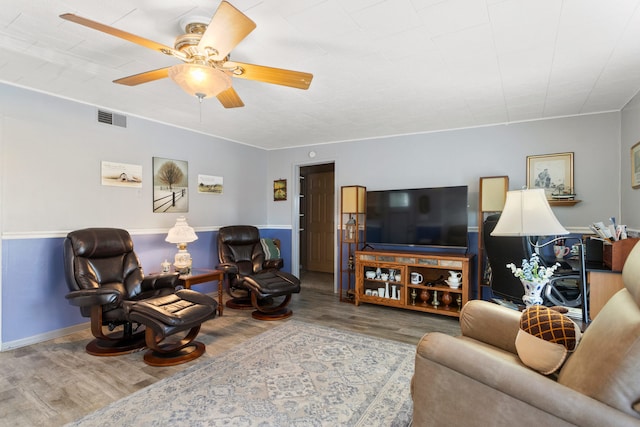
<point>296,374</point>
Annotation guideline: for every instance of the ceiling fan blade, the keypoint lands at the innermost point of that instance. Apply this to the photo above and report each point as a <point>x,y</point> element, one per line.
<point>147,76</point>
<point>229,98</point>
<point>150,44</point>
<point>278,76</point>
<point>227,28</point>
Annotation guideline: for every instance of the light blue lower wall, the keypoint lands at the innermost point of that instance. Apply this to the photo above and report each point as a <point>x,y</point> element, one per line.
<point>34,287</point>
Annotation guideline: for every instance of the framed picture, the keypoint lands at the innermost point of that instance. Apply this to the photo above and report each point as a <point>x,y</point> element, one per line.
<point>121,174</point>
<point>170,185</point>
<point>551,172</point>
<point>635,166</point>
<point>279,190</point>
<point>209,184</point>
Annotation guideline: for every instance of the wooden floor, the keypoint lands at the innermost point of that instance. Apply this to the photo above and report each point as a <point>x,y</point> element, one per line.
<point>56,382</point>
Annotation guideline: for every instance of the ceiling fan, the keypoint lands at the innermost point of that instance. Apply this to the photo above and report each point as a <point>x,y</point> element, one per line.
<point>206,70</point>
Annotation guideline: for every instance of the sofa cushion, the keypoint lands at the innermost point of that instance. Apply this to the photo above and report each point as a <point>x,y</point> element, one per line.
<point>545,338</point>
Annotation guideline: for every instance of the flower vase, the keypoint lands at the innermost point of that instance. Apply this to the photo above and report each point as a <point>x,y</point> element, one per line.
<point>532,292</point>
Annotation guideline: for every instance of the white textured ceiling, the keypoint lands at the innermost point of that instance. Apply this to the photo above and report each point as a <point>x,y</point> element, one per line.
<point>381,67</point>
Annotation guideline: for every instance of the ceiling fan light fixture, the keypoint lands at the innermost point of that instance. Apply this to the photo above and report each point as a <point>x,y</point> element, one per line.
<point>199,80</point>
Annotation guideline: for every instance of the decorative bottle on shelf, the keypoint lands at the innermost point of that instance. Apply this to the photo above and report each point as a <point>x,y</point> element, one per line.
<point>424,296</point>
<point>386,289</point>
<point>446,299</point>
<point>414,295</point>
<point>435,301</point>
<point>393,292</point>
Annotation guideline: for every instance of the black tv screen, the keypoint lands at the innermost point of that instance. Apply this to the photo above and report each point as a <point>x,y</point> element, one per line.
<point>420,216</point>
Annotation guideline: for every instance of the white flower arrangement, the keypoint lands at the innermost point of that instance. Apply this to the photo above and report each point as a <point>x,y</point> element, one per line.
<point>532,271</point>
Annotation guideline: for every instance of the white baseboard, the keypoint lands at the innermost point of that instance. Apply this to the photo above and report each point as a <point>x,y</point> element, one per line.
<point>35,339</point>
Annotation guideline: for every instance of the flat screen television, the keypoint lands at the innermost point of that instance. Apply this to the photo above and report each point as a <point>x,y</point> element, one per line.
<point>418,217</point>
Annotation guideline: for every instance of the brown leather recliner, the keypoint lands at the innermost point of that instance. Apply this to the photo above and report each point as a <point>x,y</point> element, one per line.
<point>253,281</point>
<point>106,281</point>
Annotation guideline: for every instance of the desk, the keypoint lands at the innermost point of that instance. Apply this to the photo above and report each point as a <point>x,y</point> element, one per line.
<point>602,285</point>
<point>203,275</point>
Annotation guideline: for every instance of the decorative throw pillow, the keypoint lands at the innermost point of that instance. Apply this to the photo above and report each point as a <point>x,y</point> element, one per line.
<point>271,251</point>
<point>546,338</point>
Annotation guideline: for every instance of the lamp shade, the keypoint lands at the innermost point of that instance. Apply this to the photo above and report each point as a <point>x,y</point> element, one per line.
<point>527,213</point>
<point>353,199</point>
<point>200,80</point>
<point>181,232</point>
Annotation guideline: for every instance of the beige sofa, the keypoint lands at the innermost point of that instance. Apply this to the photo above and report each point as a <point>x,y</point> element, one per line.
<point>477,379</point>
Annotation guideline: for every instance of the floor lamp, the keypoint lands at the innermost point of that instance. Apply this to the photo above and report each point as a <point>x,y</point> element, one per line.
<point>527,213</point>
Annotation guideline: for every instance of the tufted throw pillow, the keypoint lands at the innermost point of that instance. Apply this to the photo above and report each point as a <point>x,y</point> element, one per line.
<point>271,251</point>
<point>545,338</point>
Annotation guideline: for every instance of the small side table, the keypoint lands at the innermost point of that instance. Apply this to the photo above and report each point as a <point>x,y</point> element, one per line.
<point>203,275</point>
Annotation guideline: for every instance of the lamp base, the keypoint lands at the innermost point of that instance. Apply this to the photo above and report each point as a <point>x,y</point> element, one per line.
<point>183,262</point>
<point>182,270</point>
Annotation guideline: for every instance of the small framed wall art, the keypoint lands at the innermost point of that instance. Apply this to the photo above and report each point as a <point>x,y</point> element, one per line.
<point>209,184</point>
<point>635,166</point>
<point>121,174</point>
<point>551,172</point>
<point>279,190</point>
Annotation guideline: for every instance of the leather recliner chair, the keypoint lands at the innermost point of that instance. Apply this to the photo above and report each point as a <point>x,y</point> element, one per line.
<point>106,281</point>
<point>253,281</point>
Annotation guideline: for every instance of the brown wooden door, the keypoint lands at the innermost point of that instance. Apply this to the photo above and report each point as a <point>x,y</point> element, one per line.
<point>320,221</point>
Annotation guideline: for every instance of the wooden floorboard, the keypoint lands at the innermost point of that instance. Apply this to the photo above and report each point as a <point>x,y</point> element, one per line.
<point>55,382</point>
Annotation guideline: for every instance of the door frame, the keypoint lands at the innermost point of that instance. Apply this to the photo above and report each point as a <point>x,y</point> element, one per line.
<point>295,215</point>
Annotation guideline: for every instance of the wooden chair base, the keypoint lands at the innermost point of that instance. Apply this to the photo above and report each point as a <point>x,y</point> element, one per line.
<point>192,351</point>
<point>270,311</point>
<point>239,303</point>
<point>116,346</point>
<point>275,315</point>
<point>163,353</point>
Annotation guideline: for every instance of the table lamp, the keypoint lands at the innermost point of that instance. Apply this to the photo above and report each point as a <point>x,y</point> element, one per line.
<point>528,213</point>
<point>181,234</point>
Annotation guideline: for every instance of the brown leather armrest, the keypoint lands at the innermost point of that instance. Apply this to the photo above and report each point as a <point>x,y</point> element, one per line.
<point>273,264</point>
<point>91,297</point>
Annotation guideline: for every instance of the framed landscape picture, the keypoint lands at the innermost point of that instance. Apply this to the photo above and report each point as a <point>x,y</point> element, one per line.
<point>170,185</point>
<point>551,172</point>
<point>209,184</point>
<point>121,174</point>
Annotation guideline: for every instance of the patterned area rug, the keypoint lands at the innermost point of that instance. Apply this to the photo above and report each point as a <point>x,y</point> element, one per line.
<point>296,374</point>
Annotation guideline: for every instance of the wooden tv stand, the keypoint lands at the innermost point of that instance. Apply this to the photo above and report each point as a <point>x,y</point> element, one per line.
<point>438,299</point>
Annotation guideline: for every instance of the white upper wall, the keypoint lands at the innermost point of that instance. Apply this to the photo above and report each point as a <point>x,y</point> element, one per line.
<point>461,157</point>
<point>52,151</point>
